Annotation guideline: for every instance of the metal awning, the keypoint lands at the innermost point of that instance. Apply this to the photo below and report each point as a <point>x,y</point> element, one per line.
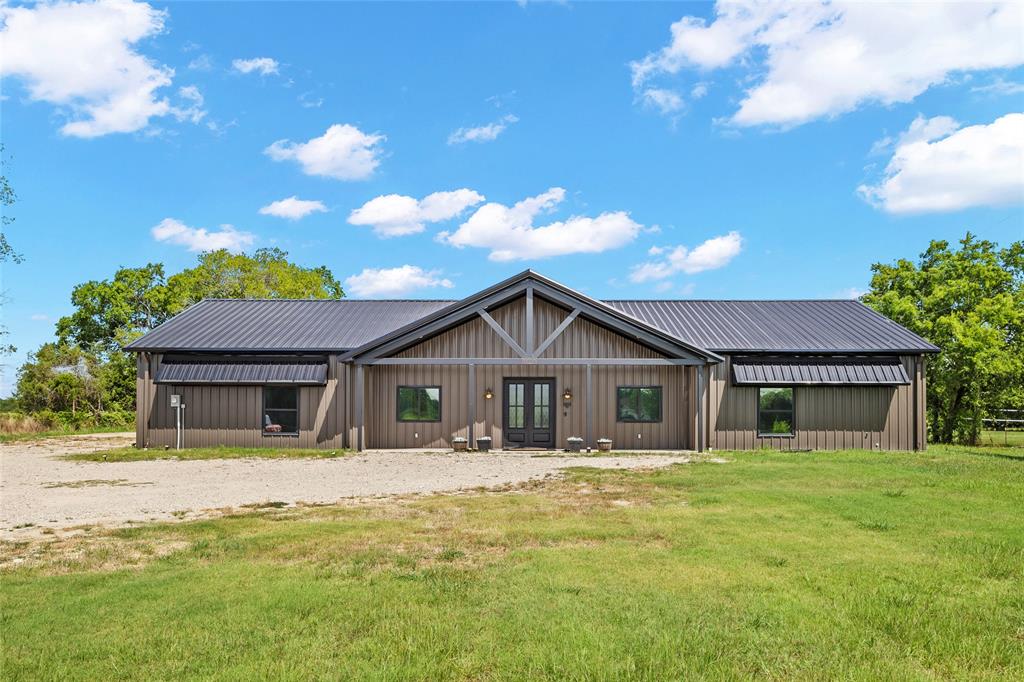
<point>242,373</point>
<point>825,371</point>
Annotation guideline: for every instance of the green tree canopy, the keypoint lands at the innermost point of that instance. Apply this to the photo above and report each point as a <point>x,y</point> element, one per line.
<point>137,299</point>
<point>970,303</point>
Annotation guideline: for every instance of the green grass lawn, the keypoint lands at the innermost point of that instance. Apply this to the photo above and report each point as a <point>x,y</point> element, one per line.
<point>852,565</point>
<point>131,454</point>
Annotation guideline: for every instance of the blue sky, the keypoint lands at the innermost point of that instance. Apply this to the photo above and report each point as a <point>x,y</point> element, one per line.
<point>628,150</point>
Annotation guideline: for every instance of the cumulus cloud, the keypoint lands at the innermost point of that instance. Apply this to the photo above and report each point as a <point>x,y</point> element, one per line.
<point>714,253</point>
<point>820,59</point>
<point>82,57</point>
<point>393,215</point>
<point>175,232</point>
<point>510,234</point>
<point>484,133</point>
<point>343,152</point>
<point>937,167</point>
<point>400,281</point>
<point>265,66</point>
<point>293,208</point>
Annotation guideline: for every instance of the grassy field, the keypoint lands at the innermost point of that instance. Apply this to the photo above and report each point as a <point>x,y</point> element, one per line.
<point>131,454</point>
<point>851,565</point>
<point>1003,438</point>
<point>59,433</point>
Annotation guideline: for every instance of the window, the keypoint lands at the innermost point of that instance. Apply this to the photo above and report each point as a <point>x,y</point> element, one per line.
<point>775,412</point>
<point>419,403</point>
<point>639,404</point>
<point>280,410</point>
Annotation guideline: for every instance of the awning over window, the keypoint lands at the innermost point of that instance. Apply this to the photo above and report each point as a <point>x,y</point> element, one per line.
<point>242,373</point>
<point>866,371</point>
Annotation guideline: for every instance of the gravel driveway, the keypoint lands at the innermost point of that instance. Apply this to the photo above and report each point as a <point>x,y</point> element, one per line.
<point>39,490</point>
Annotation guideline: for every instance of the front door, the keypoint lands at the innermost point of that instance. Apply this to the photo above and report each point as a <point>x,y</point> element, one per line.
<point>529,419</point>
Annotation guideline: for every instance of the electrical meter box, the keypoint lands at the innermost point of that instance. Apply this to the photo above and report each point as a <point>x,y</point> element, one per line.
<point>175,400</point>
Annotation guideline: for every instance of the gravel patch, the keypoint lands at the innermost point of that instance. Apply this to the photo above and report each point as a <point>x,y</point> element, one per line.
<point>39,490</point>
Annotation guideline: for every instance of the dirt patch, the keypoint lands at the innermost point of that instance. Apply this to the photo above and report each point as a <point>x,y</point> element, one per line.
<point>42,492</point>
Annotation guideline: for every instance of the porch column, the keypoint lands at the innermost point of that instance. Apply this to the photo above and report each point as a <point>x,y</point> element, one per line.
<point>590,406</point>
<point>472,403</point>
<point>359,408</point>
<point>701,381</point>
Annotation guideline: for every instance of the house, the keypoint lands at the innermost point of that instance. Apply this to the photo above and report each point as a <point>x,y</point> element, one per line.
<point>530,362</point>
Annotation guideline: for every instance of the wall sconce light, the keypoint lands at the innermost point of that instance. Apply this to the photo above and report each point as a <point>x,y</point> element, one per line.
<point>567,396</point>
<point>488,394</point>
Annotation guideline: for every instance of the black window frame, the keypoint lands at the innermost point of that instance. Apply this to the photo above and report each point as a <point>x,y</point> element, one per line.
<point>618,404</point>
<point>398,405</point>
<point>263,411</point>
<point>792,413</point>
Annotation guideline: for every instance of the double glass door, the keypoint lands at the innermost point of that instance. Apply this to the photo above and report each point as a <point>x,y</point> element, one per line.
<point>529,419</point>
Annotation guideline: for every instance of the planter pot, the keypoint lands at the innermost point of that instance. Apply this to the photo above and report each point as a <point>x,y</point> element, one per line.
<point>575,445</point>
<point>604,445</point>
<point>460,445</point>
<point>483,444</point>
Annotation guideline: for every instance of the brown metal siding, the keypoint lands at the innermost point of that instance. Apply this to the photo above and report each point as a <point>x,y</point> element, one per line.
<point>383,430</point>
<point>231,415</point>
<point>582,339</point>
<point>825,418</point>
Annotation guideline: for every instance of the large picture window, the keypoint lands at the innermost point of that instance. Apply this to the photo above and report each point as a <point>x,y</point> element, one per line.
<point>638,404</point>
<point>775,412</point>
<point>280,410</point>
<point>419,403</point>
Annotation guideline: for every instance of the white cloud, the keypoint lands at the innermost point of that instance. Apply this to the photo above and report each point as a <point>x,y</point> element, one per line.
<point>201,63</point>
<point>714,253</point>
<point>308,101</point>
<point>1000,86</point>
<point>265,66</point>
<point>343,152</point>
<point>200,239</point>
<point>400,281</point>
<point>484,133</point>
<point>39,317</point>
<point>699,90</point>
<point>821,59</point>
<point>665,101</point>
<point>851,293</point>
<point>192,109</point>
<point>293,208</point>
<point>938,168</point>
<point>393,215</point>
<point>81,56</point>
<point>510,234</point>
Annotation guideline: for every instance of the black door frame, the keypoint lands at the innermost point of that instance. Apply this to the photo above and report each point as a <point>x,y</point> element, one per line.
<point>528,410</point>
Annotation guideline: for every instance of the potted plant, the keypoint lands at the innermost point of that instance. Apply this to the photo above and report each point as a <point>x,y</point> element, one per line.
<point>460,444</point>
<point>483,443</point>
<point>604,444</point>
<point>575,443</point>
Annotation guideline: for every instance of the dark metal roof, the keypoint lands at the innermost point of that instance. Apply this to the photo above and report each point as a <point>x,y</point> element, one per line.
<point>282,325</point>
<point>242,373</point>
<point>840,326</point>
<point>874,371</point>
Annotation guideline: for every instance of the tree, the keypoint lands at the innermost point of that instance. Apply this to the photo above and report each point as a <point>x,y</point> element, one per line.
<point>970,303</point>
<point>7,199</point>
<point>266,274</point>
<point>138,299</point>
<point>135,299</point>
